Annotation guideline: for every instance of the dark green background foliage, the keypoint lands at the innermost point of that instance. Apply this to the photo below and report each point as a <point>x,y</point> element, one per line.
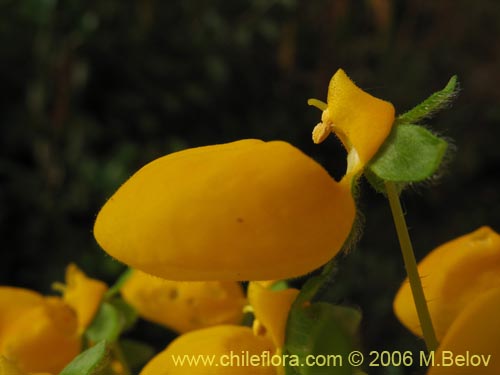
<point>92,90</point>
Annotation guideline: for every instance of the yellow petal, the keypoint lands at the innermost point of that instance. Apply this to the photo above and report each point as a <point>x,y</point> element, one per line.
<point>13,302</point>
<point>452,276</point>
<point>83,294</point>
<point>10,368</point>
<point>361,121</point>
<point>474,333</point>
<point>184,306</point>
<point>247,210</point>
<point>271,309</point>
<point>43,338</point>
<point>213,344</point>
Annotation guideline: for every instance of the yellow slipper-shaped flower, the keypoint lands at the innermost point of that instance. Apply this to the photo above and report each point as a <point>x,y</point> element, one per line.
<point>247,210</point>
<point>361,121</point>
<point>83,294</point>
<point>472,343</point>
<point>453,275</point>
<point>184,305</point>
<point>13,302</point>
<point>42,338</point>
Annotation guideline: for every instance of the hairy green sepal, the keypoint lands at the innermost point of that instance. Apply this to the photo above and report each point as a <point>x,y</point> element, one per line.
<point>412,153</point>
<point>434,103</point>
<point>320,329</point>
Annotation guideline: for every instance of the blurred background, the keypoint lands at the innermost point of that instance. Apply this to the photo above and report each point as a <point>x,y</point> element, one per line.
<point>93,90</point>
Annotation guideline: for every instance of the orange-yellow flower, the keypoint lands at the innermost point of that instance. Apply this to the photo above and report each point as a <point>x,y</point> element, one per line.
<point>453,275</point>
<point>184,305</point>
<point>220,343</point>
<point>83,294</point>
<point>13,302</point>
<point>246,210</point>
<point>213,343</point>
<point>271,310</point>
<point>474,333</point>
<point>38,334</point>
<point>10,368</point>
<point>361,121</point>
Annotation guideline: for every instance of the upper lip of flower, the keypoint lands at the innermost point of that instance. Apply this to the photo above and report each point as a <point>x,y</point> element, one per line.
<point>361,121</point>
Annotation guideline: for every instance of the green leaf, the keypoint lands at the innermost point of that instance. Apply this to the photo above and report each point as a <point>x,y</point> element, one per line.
<point>432,104</point>
<point>310,289</point>
<point>128,314</point>
<point>112,318</point>
<point>320,328</point>
<point>279,285</point>
<point>348,317</point>
<point>410,154</point>
<point>376,182</point>
<point>88,362</point>
<point>107,324</point>
<point>315,330</point>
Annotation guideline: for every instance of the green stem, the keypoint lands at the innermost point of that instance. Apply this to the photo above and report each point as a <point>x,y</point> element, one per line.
<point>411,267</point>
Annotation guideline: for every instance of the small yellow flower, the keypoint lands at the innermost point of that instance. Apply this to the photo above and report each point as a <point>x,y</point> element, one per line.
<point>361,121</point>
<point>184,305</point>
<point>83,294</point>
<point>246,210</point>
<point>271,310</point>
<point>42,337</point>
<point>475,332</point>
<point>453,275</point>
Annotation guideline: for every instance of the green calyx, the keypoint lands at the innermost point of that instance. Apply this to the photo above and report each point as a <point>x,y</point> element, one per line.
<point>412,153</point>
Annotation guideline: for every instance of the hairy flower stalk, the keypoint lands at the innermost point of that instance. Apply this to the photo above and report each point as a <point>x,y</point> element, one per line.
<point>411,268</point>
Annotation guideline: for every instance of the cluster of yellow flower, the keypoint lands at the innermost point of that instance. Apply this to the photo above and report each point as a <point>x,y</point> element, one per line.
<point>43,333</point>
<point>195,223</point>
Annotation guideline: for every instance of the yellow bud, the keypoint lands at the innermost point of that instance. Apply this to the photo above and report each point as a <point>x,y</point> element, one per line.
<point>452,275</point>
<point>247,210</point>
<point>184,305</point>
